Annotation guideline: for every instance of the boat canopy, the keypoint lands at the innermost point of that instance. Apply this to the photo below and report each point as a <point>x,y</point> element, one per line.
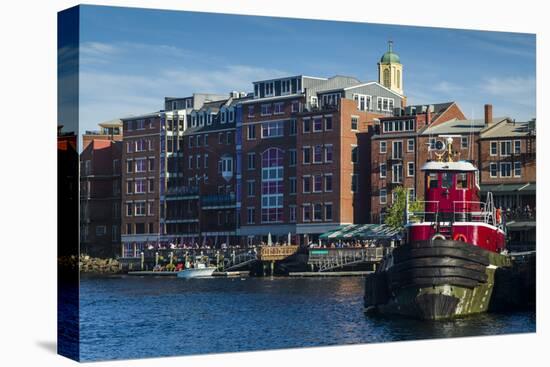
<point>462,166</point>
<point>362,232</point>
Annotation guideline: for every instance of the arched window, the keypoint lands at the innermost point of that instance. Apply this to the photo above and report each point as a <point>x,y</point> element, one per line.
<point>272,185</point>
<point>387,80</point>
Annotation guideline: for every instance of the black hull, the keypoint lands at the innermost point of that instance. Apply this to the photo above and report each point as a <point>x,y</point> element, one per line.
<point>436,279</point>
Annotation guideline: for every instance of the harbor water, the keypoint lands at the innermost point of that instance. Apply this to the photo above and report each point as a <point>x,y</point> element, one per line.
<point>125,317</point>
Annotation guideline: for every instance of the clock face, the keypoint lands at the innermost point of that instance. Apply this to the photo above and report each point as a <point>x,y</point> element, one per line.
<point>439,145</point>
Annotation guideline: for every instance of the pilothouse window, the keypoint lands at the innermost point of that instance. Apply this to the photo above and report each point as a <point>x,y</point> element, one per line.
<point>446,180</point>
<point>432,181</point>
<point>461,181</point>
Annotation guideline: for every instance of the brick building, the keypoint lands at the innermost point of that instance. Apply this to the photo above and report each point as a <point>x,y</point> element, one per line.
<point>399,147</point>
<point>110,130</point>
<point>296,142</point>
<point>100,194</point>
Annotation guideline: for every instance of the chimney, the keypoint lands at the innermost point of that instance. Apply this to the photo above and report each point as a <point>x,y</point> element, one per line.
<point>428,116</point>
<point>488,114</point>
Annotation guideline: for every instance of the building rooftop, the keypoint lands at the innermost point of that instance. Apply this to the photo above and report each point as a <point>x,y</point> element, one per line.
<point>456,126</point>
<point>507,128</point>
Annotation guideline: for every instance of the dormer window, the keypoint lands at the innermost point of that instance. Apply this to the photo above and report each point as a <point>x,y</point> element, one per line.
<point>285,87</point>
<point>269,89</point>
<point>231,115</point>
<point>222,117</point>
<point>256,90</point>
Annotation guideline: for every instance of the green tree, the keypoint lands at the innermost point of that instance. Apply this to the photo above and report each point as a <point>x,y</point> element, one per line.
<point>395,216</point>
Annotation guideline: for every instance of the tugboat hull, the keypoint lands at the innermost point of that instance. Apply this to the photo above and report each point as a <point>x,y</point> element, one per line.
<point>436,279</point>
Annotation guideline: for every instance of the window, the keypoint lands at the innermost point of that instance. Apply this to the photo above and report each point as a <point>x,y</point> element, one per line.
<point>129,209</point>
<point>128,228</point>
<point>328,123</point>
<point>151,185</point>
<point>493,148</point>
<point>266,110</point>
<point>306,184</point>
<point>229,138</point>
<point>383,147</point>
<point>272,129</point>
<point>461,181</point>
<point>317,124</point>
<point>190,162</point>
<point>227,166</point>
<point>231,115</point>
<point>292,213</point>
<point>517,146</point>
<point>272,185</point>
<point>505,169</point>
<point>397,173</point>
<point>446,180</point>
<point>354,178</point>
<point>354,154</point>
<point>114,233</point>
<point>140,124</point>
<point>279,108</point>
<point>251,111</point>
<point>432,181</point>
<point>292,157</point>
<point>150,208</point>
<point>129,187</point>
<point>140,186</point>
<point>199,140</point>
<point>410,145</point>
<point>209,119</point>
<point>251,161</point>
<point>251,188</point>
<point>328,183</point>
<point>222,117</point>
<point>250,132</point>
<point>151,164</point>
<point>314,101</point>
<point>517,169</point>
<point>317,183</point>
<point>306,212</point>
<point>269,89</point>
<point>306,155</point>
<point>141,165</point>
<point>129,126</point>
<point>505,148</point>
<point>383,170</point>
<point>328,212</point>
<point>397,150</point>
<point>129,147</point>
<point>318,154</point>
<point>292,127</point>
<point>129,166</point>
<point>151,228</point>
<point>306,125</point>
<point>383,197</point>
<point>198,160</point>
<point>295,106</point>
<point>250,213</point>
<point>493,169</point>
<point>464,142</point>
<point>140,145</point>
<point>317,212</point>
<point>379,102</point>
<point>206,161</point>
<point>220,138</point>
<point>354,122</point>
<point>385,104</point>
<point>410,169</point>
<point>285,86</point>
<point>292,185</point>
<point>140,208</point>
<point>328,153</point>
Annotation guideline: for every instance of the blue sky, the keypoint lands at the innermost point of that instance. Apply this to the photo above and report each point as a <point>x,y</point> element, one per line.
<point>130,59</point>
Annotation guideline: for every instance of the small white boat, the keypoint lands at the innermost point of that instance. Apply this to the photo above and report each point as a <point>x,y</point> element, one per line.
<point>199,271</point>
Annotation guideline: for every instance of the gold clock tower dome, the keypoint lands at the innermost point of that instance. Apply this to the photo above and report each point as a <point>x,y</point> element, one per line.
<point>390,70</point>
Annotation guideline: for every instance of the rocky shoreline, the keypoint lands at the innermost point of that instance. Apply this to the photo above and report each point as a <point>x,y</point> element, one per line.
<point>88,264</point>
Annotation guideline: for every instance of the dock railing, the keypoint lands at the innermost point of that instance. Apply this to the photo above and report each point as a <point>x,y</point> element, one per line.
<point>325,259</point>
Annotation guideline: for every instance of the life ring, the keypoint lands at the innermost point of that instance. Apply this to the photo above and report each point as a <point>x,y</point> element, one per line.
<point>438,236</point>
<point>459,237</point>
<point>498,215</point>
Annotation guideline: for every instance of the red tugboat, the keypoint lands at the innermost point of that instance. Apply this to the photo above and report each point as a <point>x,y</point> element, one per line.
<point>446,267</point>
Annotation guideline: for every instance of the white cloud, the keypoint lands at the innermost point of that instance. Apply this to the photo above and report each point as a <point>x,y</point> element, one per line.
<point>517,89</point>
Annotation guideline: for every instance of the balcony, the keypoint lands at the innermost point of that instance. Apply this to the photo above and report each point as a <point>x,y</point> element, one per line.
<point>218,201</point>
<point>182,191</point>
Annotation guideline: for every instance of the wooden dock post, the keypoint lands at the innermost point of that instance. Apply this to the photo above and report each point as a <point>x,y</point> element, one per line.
<point>156,258</point>
<point>142,259</point>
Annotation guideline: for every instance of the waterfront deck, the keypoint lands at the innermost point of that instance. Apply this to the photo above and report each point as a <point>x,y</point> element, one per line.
<point>329,259</point>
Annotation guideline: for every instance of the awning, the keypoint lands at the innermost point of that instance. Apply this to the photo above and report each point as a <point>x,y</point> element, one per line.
<point>362,232</point>
<point>522,188</point>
